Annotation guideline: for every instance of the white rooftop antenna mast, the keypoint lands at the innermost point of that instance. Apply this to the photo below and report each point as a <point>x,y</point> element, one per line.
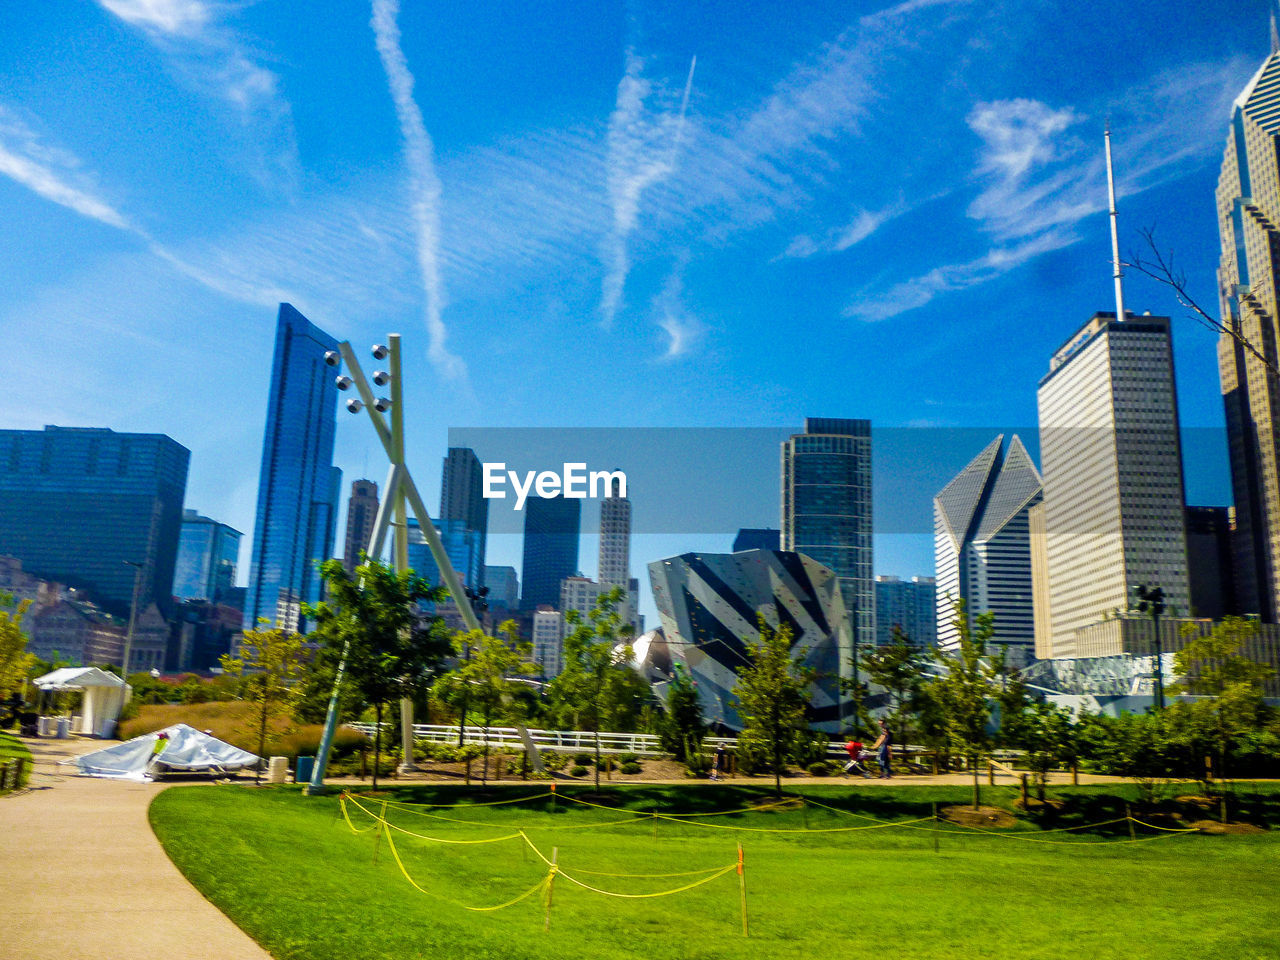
<point>1118,274</point>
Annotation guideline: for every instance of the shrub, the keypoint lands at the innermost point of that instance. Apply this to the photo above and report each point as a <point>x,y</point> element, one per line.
<point>606,763</point>
<point>698,764</point>
<point>628,758</point>
<point>554,761</point>
<point>582,759</point>
<point>630,768</point>
<point>445,752</point>
<point>578,771</point>
<point>821,768</point>
<point>809,748</point>
<point>753,756</point>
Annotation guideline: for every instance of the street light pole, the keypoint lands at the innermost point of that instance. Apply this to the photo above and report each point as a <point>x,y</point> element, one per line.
<point>1152,601</point>
<point>133,617</point>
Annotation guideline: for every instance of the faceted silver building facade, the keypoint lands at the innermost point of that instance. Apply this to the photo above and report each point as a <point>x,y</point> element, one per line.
<point>709,604</point>
<point>982,546</point>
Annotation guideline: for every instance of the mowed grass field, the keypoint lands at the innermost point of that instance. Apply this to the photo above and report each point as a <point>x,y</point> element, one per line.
<point>290,871</point>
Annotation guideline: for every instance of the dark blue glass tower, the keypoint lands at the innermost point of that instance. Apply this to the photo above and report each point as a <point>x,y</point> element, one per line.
<point>298,485</point>
<point>78,505</point>
<point>551,528</point>
<point>207,555</point>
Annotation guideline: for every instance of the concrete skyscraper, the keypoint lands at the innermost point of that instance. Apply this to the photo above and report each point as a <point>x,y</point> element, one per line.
<point>462,498</point>
<point>298,486</point>
<point>1248,201</point>
<point>1113,495</point>
<point>982,546</point>
<point>362,511</point>
<point>826,509</point>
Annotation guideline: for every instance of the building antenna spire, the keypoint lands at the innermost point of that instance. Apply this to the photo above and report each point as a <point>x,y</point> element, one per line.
<point>1118,274</point>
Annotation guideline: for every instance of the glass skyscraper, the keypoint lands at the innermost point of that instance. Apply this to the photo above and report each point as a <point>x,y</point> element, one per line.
<point>79,505</point>
<point>551,528</point>
<point>298,486</point>
<point>461,545</point>
<point>207,556</point>
<point>826,509</point>
<point>462,498</point>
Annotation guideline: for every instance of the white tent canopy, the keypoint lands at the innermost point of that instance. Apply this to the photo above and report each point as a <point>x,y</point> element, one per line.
<point>188,750</point>
<point>105,695</point>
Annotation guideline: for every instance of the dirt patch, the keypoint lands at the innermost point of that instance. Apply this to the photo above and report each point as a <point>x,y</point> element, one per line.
<point>966,816</point>
<point>1203,803</point>
<point>1226,829</point>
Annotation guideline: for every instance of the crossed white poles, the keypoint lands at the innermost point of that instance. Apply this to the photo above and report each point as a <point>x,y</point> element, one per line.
<point>400,498</point>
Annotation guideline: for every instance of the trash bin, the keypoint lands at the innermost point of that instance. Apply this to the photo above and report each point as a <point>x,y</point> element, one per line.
<point>302,773</point>
<point>64,727</point>
<point>277,769</point>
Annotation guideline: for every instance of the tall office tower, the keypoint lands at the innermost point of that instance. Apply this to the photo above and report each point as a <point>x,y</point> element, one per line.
<point>982,546</point>
<point>548,640</point>
<point>1248,198</point>
<point>1209,562</point>
<point>1112,463</point>
<point>207,555</point>
<point>80,505</point>
<point>826,509</point>
<point>504,587</point>
<point>551,528</point>
<point>615,541</point>
<point>298,485</point>
<point>362,511</point>
<point>462,497</point>
<point>909,605</point>
<point>580,594</point>
<point>461,545</point>
<point>757,538</point>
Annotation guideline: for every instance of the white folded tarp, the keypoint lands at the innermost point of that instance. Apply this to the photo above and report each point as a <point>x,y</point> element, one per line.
<point>188,750</point>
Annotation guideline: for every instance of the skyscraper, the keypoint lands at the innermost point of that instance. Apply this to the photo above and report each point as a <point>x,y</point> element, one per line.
<point>504,587</point>
<point>982,546</point>
<point>757,538</point>
<point>615,542</point>
<point>826,509</point>
<point>1112,459</point>
<point>909,605</point>
<point>207,555</point>
<point>80,505</point>
<point>362,511</point>
<point>461,544</point>
<point>462,497</point>
<point>551,528</point>
<point>1248,201</point>
<point>298,484</point>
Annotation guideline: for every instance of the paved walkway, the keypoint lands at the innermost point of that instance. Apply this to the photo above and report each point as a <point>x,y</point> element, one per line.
<point>82,876</point>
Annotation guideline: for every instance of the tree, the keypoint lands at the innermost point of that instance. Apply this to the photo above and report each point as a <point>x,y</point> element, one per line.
<point>597,683</point>
<point>964,691</point>
<point>14,659</point>
<point>485,672</point>
<point>270,663</point>
<point>898,666</point>
<point>681,728</point>
<point>1214,667</point>
<point>771,696</point>
<point>392,650</point>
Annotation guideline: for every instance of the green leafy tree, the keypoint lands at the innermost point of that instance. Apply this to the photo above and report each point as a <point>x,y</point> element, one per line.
<point>964,693</point>
<point>1215,667</point>
<point>899,667</point>
<point>1045,733</point>
<point>392,649</point>
<point>597,684</point>
<point>15,662</point>
<point>270,664</point>
<point>772,700</point>
<point>681,727</point>
<point>486,672</point>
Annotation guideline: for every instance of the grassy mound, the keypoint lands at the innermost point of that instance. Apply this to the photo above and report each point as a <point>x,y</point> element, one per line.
<point>291,873</point>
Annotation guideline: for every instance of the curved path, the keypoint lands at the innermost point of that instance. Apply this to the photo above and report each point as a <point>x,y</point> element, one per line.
<point>83,876</point>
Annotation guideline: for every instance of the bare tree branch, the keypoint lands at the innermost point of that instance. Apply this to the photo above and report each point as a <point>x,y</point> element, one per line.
<point>1160,266</point>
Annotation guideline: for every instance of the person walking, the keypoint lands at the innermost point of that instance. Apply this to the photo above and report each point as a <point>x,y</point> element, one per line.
<point>153,763</point>
<point>881,747</point>
<point>718,763</point>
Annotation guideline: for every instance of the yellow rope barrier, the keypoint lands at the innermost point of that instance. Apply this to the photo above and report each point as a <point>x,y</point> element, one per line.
<point>730,826</point>
<point>1153,826</point>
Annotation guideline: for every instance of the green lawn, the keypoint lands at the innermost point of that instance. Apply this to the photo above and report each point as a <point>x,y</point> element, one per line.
<point>290,872</point>
<point>11,748</point>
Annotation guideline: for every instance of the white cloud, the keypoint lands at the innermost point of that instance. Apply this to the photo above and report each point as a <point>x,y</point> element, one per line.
<point>641,152</point>
<point>839,239</point>
<point>684,331</point>
<point>51,172</point>
<point>425,187</point>
<point>181,17</point>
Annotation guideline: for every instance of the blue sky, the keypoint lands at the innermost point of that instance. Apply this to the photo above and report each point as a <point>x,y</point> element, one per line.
<point>587,214</point>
